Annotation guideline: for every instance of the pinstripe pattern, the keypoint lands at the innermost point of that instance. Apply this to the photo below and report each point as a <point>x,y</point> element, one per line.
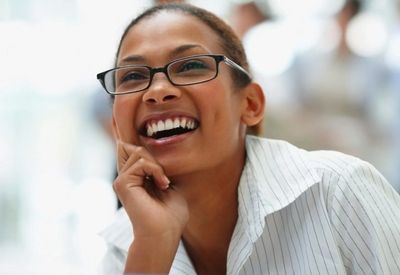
<point>299,213</point>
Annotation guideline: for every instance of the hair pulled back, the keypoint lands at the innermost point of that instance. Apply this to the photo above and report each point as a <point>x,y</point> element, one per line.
<point>230,42</point>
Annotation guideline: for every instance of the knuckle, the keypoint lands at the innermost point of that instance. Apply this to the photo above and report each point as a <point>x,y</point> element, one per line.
<point>140,150</point>
<point>118,184</point>
<point>142,161</point>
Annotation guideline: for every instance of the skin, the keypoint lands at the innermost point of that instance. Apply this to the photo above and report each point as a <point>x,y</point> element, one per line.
<point>204,166</point>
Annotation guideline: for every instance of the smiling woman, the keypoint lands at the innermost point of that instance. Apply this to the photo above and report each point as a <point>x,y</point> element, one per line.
<point>201,195</point>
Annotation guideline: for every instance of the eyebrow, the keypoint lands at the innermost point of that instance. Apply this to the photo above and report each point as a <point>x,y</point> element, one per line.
<point>131,59</point>
<point>176,51</point>
<point>184,48</point>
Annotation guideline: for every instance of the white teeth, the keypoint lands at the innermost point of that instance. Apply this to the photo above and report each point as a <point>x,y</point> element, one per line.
<point>183,122</point>
<point>160,126</point>
<point>169,124</point>
<point>176,123</point>
<point>154,127</point>
<point>149,131</point>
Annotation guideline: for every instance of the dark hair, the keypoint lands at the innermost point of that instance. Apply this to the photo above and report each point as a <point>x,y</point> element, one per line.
<point>354,6</point>
<point>230,42</point>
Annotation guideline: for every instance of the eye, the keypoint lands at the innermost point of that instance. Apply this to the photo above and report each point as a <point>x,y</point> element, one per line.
<point>193,64</point>
<point>134,76</point>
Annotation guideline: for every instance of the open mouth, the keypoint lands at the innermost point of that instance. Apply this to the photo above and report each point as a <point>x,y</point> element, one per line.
<point>158,129</point>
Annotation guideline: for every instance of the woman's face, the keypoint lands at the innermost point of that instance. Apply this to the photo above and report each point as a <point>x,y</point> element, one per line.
<point>212,108</point>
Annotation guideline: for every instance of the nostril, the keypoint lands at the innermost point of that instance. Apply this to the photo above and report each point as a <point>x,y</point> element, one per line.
<point>169,97</point>
<point>160,100</point>
<point>151,100</point>
<point>161,92</point>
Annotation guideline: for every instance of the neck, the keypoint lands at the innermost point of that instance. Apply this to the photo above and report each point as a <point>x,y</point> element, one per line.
<point>212,200</point>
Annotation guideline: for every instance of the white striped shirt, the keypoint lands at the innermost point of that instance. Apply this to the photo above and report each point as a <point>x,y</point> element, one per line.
<point>300,212</point>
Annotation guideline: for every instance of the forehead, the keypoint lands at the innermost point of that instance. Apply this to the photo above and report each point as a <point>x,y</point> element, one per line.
<point>156,37</point>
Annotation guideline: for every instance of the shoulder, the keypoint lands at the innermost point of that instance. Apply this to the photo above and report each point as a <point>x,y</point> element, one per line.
<point>364,211</point>
<point>323,162</point>
<point>285,153</point>
<point>350,174</point>
<point>332,172</point>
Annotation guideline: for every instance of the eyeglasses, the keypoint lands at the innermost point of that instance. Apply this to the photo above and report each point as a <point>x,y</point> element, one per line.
<point>180,72</point>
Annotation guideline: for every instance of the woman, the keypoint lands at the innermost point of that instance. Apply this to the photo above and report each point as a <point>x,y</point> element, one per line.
<point>202,197</point>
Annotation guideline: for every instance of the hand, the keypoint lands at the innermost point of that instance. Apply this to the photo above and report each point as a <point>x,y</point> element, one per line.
<point>155,209</point>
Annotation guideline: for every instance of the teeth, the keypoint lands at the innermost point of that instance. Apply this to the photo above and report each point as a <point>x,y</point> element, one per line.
<point>176,123</point>
<point>169,124</point>
<point>160,126</point>
<point>154,127</point>
<point>183,122</point>
<point>149,131</point>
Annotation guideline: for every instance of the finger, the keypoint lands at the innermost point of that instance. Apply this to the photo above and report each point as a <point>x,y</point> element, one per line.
<point>135,153</point>
<point>125,187</point>
<point>122,155</point>
<point>130,154</point>
<point>144,167</point>
<point>139,179</point>
<point>124,183</point>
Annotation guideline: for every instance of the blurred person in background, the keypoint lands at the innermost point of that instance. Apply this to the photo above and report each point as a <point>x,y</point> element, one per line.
<point>393,58</point>
<point>396,77</point>
<point>346,99</point>
<point>336,95</point>
<point>334,89</point>
<point>244,16</point>
<point>201,195</point>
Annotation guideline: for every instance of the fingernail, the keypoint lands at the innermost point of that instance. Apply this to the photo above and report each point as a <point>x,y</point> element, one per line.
<point>166,180</point>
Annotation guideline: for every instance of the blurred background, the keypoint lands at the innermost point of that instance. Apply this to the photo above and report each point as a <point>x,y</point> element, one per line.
<point>330,70</point>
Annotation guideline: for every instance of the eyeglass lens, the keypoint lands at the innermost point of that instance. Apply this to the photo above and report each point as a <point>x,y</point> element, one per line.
<point>181,72</point>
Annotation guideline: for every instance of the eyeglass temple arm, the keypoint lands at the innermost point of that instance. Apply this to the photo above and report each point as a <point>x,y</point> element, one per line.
<point>234,65</point>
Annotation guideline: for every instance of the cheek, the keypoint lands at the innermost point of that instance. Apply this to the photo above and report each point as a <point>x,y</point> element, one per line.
<point>221,108</point>
<point>124,116</point>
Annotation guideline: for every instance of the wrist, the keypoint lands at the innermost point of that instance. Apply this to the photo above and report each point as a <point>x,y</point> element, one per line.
<point>152,254</point>
<point>167,240</point>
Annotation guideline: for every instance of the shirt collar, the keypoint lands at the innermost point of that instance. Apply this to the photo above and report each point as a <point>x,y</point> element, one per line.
<point>275,174</point>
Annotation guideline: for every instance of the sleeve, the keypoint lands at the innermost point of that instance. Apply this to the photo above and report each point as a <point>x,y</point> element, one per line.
<point>113,262</point>
<point>365,214</point>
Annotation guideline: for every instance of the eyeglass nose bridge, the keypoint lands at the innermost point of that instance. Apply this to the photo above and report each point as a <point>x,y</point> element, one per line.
<point>154,71</point>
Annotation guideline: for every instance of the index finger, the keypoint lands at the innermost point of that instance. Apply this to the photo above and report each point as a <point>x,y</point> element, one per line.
<point>129,153</point>
<point>122,155</point>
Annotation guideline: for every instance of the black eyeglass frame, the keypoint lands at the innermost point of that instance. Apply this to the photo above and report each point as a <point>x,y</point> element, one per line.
<point>217,57</point>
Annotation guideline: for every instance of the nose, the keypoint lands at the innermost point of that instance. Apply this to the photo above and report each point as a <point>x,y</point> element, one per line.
<point>161,90</point>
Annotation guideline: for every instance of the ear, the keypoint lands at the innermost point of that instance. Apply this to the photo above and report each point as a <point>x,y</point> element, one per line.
<point>253,104</point>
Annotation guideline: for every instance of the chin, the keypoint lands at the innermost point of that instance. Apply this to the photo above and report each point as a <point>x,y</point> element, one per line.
<point>174,167</point>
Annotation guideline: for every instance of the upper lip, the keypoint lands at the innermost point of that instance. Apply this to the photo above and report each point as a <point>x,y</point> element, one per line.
<point>163,116</point>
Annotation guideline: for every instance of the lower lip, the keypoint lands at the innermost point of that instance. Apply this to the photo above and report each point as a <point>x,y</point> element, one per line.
<point>167,140</point>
